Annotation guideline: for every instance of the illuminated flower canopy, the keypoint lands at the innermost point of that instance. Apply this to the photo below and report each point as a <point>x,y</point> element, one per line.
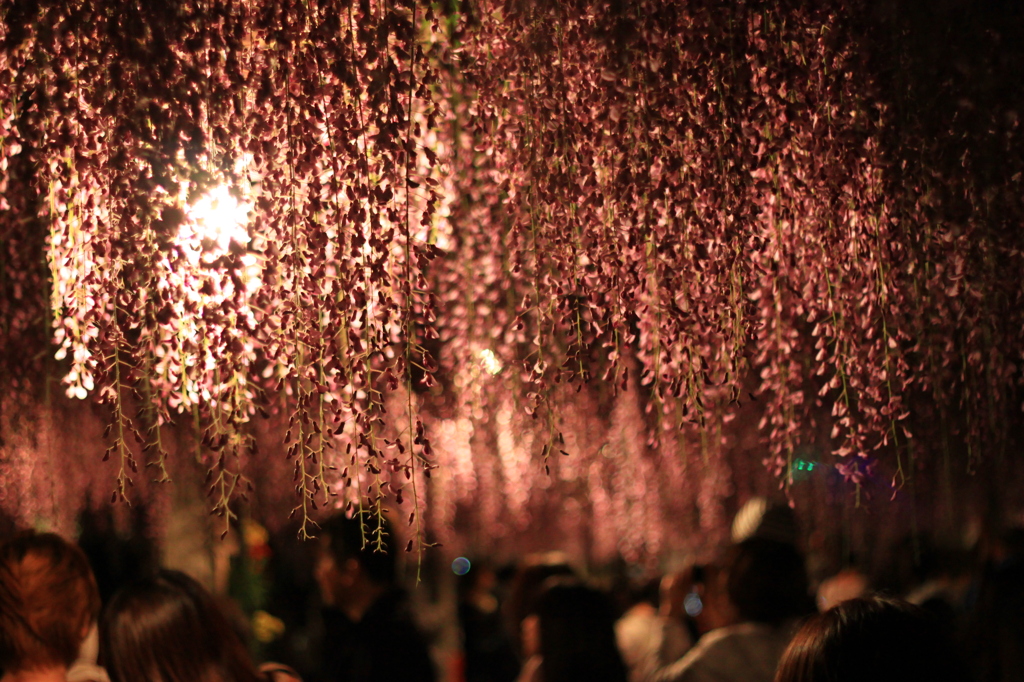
<point>369,239</point>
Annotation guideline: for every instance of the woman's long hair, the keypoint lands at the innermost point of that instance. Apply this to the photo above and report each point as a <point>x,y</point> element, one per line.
<point>871,639</point>
<point>577,635</point>
<point>168,629</point>
<point>48,599</point>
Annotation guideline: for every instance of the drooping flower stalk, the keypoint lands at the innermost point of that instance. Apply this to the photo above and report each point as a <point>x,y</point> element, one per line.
<point>329,230</point>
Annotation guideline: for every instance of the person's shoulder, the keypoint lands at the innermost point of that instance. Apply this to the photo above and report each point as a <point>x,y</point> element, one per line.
<point>748,639</point>
<point>716,639</point>
<point>701,662</point>
<point>688,668</point>
<point>86,672</point>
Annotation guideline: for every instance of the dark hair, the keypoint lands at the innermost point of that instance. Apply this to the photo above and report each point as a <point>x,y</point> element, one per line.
<point>527,584</point>
<point>577,634</point>
<point>871,638</point>
<point>767,581</point>
<point>168,629</point>
<point>356,538</point>
<point>48,598</point>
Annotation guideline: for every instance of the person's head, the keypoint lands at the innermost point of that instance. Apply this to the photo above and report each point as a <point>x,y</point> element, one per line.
<point>479,581</point>
<point>526,588</point>
<point>767,581</point>
<point>869,639</point>
<point>576,634</point>
<point>763,518</point>
<point>168,629</point>
<point>354,552</point>
<point>48,602</point>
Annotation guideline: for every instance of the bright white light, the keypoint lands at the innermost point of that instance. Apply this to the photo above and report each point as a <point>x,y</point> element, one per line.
<point>490,361</point>
<point>219,217</point>
<point>215,220</point>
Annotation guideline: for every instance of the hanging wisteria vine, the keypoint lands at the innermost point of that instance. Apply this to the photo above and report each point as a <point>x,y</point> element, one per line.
<point>238,197</point>
<point>578,247</point>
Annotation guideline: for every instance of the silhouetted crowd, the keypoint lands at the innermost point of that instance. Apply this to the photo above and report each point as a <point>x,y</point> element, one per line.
<point>748,616</point>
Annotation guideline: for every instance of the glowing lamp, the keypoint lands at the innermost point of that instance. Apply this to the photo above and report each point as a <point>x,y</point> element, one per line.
<point>219,219</point>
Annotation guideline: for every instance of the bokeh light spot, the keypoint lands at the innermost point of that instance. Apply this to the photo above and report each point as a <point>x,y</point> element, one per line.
<point>693,605</point>
<point>492,365</point>
<point>461,566</point>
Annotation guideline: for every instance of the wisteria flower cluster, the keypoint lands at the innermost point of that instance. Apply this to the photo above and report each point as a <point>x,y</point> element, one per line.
<point>571,253</point>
